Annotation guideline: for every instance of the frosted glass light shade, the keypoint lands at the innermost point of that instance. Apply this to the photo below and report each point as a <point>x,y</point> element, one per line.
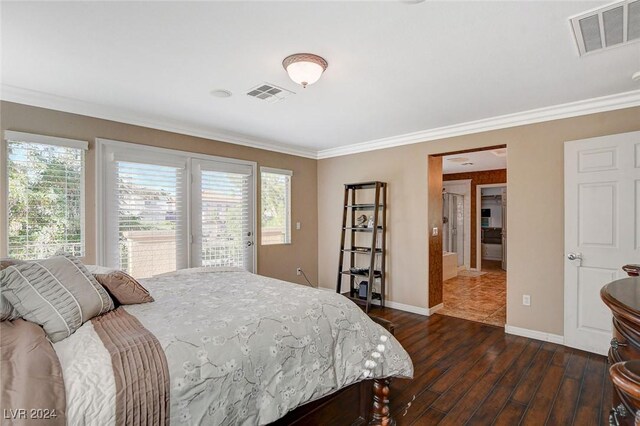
<point>304,68</point>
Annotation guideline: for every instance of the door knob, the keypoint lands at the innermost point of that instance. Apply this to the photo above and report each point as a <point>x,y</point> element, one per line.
<point>249,243</point>
<point>574,256</point>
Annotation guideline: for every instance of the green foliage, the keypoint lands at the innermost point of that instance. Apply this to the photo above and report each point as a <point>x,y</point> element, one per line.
<point>274,200</point>
<point>44,200</point>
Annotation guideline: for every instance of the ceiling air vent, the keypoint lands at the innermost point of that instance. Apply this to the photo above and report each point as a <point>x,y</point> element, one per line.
<point>270,92</point>
<point>609,26</point>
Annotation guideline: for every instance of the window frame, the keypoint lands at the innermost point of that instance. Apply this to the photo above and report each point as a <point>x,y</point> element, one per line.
<point>15,136</point>
<point>104,150</point>
<point>289,210</point>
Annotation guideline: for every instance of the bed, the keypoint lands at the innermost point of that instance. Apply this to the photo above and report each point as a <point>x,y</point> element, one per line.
<point>226,347</point>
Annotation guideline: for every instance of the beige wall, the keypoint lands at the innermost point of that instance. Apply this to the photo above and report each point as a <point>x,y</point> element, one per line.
<point>535,221</point>
<point>279,261</point>
<point>536,200</point>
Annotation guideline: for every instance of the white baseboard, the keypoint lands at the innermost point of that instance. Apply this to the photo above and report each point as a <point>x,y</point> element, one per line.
<point>534,334</point>
<point>395,305</point>
<point>407,308</point>
<point>436,308</point>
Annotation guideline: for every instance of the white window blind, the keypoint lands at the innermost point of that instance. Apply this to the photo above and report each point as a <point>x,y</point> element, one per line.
<point>276,206</point>
<point>162,210</point>
<point>223,229</point>
<point>45,195</point>
<point>147,217</point>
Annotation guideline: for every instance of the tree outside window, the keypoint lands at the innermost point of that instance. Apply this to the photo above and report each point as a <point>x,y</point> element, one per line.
<point>276,206</point>
<point>45,200</point>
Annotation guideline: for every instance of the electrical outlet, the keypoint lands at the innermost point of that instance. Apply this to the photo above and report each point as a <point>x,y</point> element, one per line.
<point>434,232</point>
<point>298,271</point>
<point>298,226</point>
<point>526,300</point>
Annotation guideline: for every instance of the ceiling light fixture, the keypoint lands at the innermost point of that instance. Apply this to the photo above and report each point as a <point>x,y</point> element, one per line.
<point>636,76</point>
<point>304,68</point>
<point>458,159</point>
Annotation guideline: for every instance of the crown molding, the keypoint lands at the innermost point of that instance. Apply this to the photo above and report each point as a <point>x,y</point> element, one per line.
<point>76,106</point>
<point>556,112</point>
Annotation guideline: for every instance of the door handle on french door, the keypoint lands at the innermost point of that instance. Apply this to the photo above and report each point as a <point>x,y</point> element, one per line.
<point>249,243</point>
<point>574,256</point>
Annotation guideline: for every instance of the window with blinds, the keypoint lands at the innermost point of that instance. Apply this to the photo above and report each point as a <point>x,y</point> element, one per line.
<point>148,208</point>
<point>224,228</point>
<point>276,206</point>
<point>45,195</point>
<point>164,210</point>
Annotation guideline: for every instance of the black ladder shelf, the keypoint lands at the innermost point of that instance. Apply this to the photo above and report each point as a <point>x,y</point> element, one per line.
<point>376,249</point>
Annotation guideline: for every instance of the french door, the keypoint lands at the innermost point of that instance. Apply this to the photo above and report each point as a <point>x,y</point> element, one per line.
<point>222,217</point>
<point>163,210</point>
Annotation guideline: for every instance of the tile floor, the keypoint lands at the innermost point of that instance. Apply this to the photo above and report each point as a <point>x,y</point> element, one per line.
<point>482,299</point>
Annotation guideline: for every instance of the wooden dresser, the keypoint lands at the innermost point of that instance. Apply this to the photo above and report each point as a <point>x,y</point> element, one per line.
<point>623,298</point>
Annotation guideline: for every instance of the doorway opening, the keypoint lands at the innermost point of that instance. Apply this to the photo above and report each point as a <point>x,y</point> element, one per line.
<point>491,232</point>
<point>468,234</point>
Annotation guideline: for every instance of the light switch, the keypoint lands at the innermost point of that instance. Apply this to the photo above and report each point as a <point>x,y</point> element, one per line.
<point>434,232</point>
<point>298,226</point>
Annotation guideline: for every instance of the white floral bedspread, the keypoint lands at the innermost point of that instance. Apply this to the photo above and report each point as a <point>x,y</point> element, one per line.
<point>246,349</point>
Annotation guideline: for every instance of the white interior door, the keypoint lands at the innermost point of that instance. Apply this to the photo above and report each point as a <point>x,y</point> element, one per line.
<point>222,219</point>
<point>602,231</point>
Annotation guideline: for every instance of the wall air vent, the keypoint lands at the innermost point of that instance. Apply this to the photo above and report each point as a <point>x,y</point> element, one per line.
<point>270,92</point>
<point>609,26</point>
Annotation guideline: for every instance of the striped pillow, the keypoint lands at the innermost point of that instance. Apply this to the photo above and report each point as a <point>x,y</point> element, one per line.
<point>58,293</point>
<point>8,312</point>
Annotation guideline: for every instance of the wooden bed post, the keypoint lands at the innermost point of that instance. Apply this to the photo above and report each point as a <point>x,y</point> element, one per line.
<point>380,412</point>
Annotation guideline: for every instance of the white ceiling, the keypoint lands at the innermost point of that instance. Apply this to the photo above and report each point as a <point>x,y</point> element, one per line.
<point>481,160</point>
<point>394,67</point>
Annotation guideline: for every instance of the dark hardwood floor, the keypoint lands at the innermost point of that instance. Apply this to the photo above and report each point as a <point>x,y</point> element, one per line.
<point>468,373</point>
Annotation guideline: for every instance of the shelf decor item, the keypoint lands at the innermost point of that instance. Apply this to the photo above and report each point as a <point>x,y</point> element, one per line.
<point>362,289</point>
<point>366,261</point>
